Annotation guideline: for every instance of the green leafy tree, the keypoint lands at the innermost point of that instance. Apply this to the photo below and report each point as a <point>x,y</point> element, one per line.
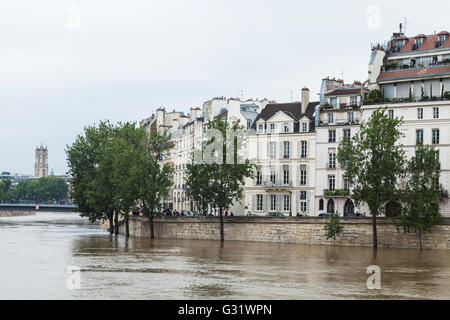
<point>374,161</point>
<point>90,164</point>
<point>333,228</point>
<point>152,176</point>
<point>421,193</point>
<point>221,166</point>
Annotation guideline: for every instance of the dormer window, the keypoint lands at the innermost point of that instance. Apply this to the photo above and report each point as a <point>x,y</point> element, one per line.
<point>442,37</point>
<point>260,128</point>
<point>287,128</point>
<point>304,127</point>
<point>419,42</point>
<point>272,128</point>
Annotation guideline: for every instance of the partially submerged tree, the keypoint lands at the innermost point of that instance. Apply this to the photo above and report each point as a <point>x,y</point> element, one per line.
<point>373,160</point>
<point>421,193</point>
<point>151,175</point>
<point>221,166</point>
<point>333,228</point>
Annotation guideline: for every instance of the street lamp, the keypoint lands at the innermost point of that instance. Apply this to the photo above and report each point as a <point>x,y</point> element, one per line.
<point>290,203</point>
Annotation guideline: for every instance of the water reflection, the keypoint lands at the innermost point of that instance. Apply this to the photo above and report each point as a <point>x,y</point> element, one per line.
<point>35,252</point>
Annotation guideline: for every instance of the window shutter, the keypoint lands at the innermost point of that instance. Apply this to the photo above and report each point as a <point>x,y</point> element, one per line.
<point>299,149</point>
<point>279,202</point>
<point>268,150</point>
<point>298,175</point>
<point>264,202</point>
<point>306,146</point>
<point>290,149</point>
<point>307,201</point>
<point>307,176</point>
<point>296,198</point>
<point>254,202</point>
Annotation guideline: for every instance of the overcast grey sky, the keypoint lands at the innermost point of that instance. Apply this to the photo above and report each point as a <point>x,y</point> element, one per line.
<point>129,57</point>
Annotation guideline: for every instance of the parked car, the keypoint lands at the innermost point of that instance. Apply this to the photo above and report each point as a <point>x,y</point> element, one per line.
<point>275,214</point>
<point>325,215</point>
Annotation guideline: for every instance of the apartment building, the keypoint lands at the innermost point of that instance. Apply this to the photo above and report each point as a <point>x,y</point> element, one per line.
<point>282,145</point>
<point>338,116</point>
<point>412,75</point>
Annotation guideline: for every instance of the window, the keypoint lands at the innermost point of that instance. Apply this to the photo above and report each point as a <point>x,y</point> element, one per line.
<point>287,202</point>
<point>330,206</point>
<point>420,113</point>
<point>333,102</point>
<point>273,202</point>
<point>438,164</point>
<point>435,113</point>
<point>272,128</point>
<point>258,177</point>
<point>286,176</point>
<point>419,136</point>
<point>353,100</point>
<point>330,118</point>
<point>249,123</point>
<point>259,202</point>
<point>303,201</point>
<point>304,149</point>
<point>331,182</point>
<point>286,145</point>
<point>350,117</point>
<point>273,149</point>
<point>303,175</point>
<point>346,133</point>
<point>304,127</point>
<point>391,114</point>
<point>260,128</point>
<point>331,135</point>
<point>332,160</point>
<point>321,204</point>
<point>272,176</point>
<point>435,136</point>
<point>346,183</point>
<point>287,127</point>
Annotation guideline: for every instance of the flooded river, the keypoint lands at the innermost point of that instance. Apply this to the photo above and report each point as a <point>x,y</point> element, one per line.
<point>36,251</point>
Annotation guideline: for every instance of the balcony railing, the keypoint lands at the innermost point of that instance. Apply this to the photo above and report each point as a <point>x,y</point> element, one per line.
<point>277,184</point>
<point>331,165</point>
<point>336,193</point>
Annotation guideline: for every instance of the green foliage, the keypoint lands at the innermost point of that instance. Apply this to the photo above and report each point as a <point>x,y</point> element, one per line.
<point>374,162</point>
<point>333,228</point>
<point>45,189</point>
<point>218,183</point>
<point>421,192</point>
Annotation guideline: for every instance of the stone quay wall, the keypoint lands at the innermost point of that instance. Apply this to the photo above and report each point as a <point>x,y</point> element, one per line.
<point>16,213</point>
<point>357,231</point>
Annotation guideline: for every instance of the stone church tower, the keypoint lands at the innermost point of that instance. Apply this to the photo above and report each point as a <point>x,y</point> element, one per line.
<point>41,164</point>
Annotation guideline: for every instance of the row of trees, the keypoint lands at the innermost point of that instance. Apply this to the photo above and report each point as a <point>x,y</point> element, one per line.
<point>45,189</point>
<point>379,173</point>
<point>117,167</point>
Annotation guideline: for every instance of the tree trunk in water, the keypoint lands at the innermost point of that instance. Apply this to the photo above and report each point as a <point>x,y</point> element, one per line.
<point>116,222</point>
<point>420,239</point>
<point>374,227</point>
<point>222,237</point>
<point>111,223</point>
<point>127,227</point>
<point>152,230</point>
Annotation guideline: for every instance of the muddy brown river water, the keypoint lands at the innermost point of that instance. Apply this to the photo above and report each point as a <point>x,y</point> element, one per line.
<point>36,251</point>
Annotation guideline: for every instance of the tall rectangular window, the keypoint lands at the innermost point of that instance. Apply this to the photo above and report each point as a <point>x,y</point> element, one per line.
<point>258,177</point>
<point>330,118</point>
<point>420,113</point>
<point>304,149</point>
<point>273,149</point>
<point>353,100</point>
<point>334,103</point>
<point>419,136</point>
<point>350,117</point>
<point>303,201</point>
<point>346,133</point>
<point>435,113</point>
<point>332,160</point>
<point>287,202</point>
<point>304,127</point>
<point>259,202</point>
<point>303,175</point>
<point>272,128</point>
<point>331,182</point>
<point>286,176</point>
<point>435,136</point>
<point>273,202</point>
<point>286,148</point>
<point>331,135</point>
<point>287,128</point>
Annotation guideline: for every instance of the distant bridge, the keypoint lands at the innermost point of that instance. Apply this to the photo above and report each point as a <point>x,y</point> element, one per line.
<point>42,207</point>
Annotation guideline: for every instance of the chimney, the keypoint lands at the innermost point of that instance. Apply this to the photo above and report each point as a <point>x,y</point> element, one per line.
<point>305,99</point>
